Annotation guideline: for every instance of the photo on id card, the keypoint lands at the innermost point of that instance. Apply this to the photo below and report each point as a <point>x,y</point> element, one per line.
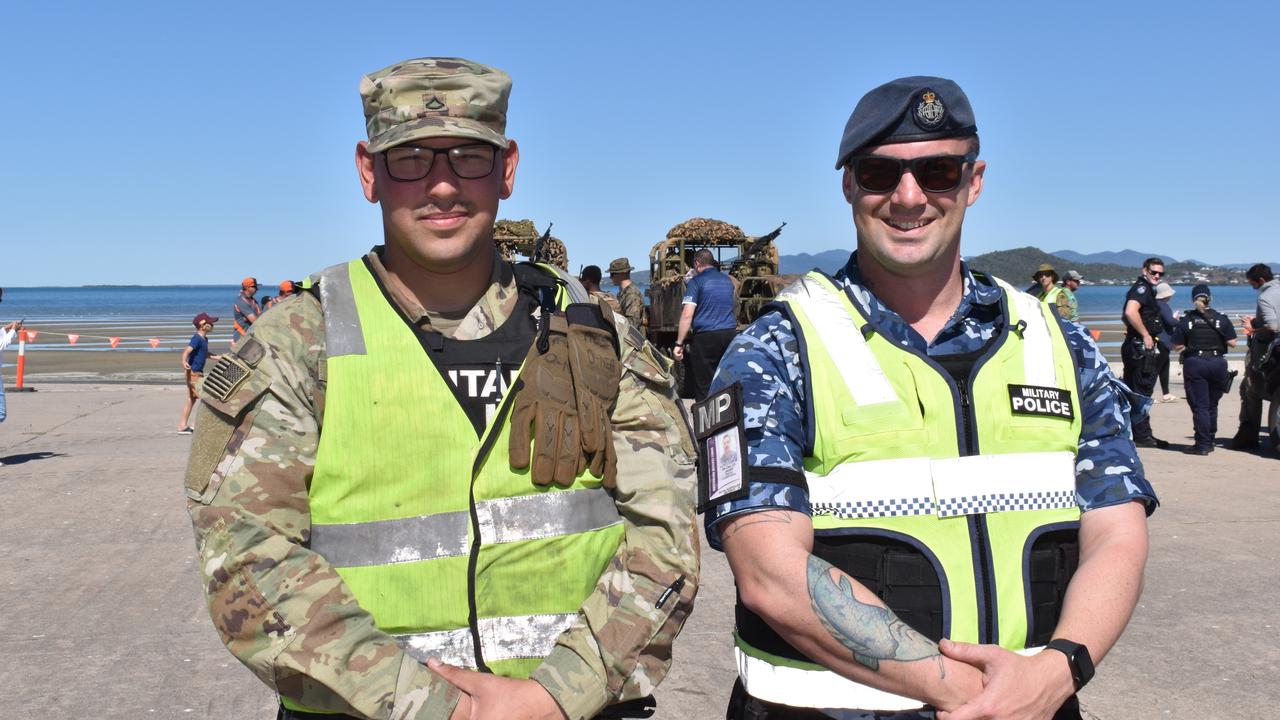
<point>722,463</point>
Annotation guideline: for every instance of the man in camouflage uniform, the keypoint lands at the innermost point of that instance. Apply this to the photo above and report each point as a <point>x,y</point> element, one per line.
<point>264,482</point>
<point>590,278</point>
<point>858,386</point>
<point>629,296</point>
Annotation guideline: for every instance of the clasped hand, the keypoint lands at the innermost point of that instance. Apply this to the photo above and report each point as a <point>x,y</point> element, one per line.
<point>1017,687</point>
<point>492,697</point>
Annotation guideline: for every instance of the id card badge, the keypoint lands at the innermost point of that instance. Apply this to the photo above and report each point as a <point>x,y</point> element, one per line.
<point>722,457</point>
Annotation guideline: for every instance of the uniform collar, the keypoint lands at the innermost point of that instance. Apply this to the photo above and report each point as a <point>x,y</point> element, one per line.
<point>976,292</point>
<point>491,310</point>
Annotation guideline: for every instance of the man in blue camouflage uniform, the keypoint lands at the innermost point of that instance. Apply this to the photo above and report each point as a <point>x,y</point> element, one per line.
<point>935,306</point>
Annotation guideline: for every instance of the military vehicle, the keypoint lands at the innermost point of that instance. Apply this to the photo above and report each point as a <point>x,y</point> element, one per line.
<point>751,262</point>
<point>521,238</point>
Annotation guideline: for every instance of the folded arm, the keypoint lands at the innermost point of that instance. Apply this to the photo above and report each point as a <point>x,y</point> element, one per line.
<point>620,647</point>
<point>831,617</point>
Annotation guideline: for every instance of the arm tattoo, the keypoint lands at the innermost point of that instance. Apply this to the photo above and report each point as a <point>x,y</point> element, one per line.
<point>873,633</point>
<point>756,518</point>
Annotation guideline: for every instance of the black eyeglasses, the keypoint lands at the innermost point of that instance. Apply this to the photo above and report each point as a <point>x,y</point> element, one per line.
<point>935,174</point>
<point>408,163</point>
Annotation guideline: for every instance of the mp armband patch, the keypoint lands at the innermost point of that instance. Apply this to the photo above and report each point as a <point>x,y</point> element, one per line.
<point>1041,401</point>
<point>722,458</point>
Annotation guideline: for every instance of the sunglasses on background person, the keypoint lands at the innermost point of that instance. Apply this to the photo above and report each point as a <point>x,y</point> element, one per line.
<point>935,174</point>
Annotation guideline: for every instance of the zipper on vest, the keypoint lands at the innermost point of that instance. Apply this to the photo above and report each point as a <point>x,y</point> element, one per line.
<point>978,524</point>
<point>487,445</point>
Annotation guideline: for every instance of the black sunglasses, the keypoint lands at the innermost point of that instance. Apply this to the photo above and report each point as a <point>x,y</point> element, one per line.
<point>935,174</point>
<point>408,163</point>
<point>1156,273</point>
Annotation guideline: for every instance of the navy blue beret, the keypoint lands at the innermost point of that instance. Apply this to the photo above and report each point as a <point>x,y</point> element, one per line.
<point>908,109</point>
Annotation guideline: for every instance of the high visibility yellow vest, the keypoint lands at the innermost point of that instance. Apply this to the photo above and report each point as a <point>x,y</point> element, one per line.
<point>892,456</point>
<point>453,552</point>
<point>1051,297</point>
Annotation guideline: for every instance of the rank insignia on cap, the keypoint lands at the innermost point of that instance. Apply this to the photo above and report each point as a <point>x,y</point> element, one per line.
<point>930,112</point>
<point>432,103</point>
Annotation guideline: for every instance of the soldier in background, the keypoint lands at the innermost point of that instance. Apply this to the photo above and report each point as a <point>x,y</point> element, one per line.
<point>590,278</point>
<point>349,537</point>
<point>629,296</point>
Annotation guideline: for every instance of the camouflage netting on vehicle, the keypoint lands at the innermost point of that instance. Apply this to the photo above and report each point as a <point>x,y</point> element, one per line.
<point>521,229</point>
<point>707,230</point>
<point>517,238</point>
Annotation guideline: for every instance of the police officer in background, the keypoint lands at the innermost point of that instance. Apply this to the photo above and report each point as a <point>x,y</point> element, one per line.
<point>439,484</point>
<point>1141,350</point>
<point>886,411</point>
<point>1203,334</point>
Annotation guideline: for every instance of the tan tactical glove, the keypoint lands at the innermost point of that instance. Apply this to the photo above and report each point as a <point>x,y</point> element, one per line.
<point>546,402</point>
<point>596,371</point>
<point>567,395</point>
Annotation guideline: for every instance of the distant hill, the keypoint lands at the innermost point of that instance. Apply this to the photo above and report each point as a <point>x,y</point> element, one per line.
<point>1017,265</point>
<point>828,261</point>
<point>1127,258</point>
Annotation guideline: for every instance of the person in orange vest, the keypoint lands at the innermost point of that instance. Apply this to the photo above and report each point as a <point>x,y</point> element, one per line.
<point>245,309</point>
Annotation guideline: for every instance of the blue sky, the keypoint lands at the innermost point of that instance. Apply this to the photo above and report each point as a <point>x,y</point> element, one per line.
<point>180,142</point>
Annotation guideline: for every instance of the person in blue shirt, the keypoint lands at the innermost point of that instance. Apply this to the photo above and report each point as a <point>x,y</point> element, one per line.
<point>708,313</point>
<point>910,171</point>
<point>194,357</point>
<point>1203,335</point>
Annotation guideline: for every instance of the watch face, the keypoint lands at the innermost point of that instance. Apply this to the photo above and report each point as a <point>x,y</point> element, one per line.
<point>1078,657</point>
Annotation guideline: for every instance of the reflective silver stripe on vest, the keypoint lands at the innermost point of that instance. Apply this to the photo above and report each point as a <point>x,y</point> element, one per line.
<point>522,636</point>
<point>450,646</point>
<point>849,351</point>
<point>548,514</point>
<point>801,687</point>
<point>427,537</point>
<point>1037,344</point>
<point>946,487</point>
<point>386,542</point>
<point>342,334</point>
<point>502,638</point>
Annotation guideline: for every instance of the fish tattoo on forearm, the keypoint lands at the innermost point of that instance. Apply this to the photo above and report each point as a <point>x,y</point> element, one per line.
<point>870,632</point>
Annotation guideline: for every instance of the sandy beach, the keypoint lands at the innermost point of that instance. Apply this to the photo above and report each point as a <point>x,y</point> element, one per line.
<point>104,616</point>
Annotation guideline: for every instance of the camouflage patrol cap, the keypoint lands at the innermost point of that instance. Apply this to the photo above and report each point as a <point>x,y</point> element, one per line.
<point>435,97</point>
<point>620,265</point>
<point>909,109</point>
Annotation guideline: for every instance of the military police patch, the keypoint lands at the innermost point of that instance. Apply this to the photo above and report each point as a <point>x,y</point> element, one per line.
<point>722,460</point>
<point>930,112</point>
<point>1041,401</point>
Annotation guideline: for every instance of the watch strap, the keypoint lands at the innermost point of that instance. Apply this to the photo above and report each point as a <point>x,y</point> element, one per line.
<point>1078,659</point>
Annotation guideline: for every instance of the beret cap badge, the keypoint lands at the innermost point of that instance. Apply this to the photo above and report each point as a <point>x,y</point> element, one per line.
<point>930,112</point>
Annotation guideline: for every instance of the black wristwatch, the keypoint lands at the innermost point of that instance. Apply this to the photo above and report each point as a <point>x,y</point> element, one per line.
<point>1077,657</point>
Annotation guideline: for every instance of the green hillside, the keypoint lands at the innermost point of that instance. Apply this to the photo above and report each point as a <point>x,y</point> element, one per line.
<point>1016,266</point>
